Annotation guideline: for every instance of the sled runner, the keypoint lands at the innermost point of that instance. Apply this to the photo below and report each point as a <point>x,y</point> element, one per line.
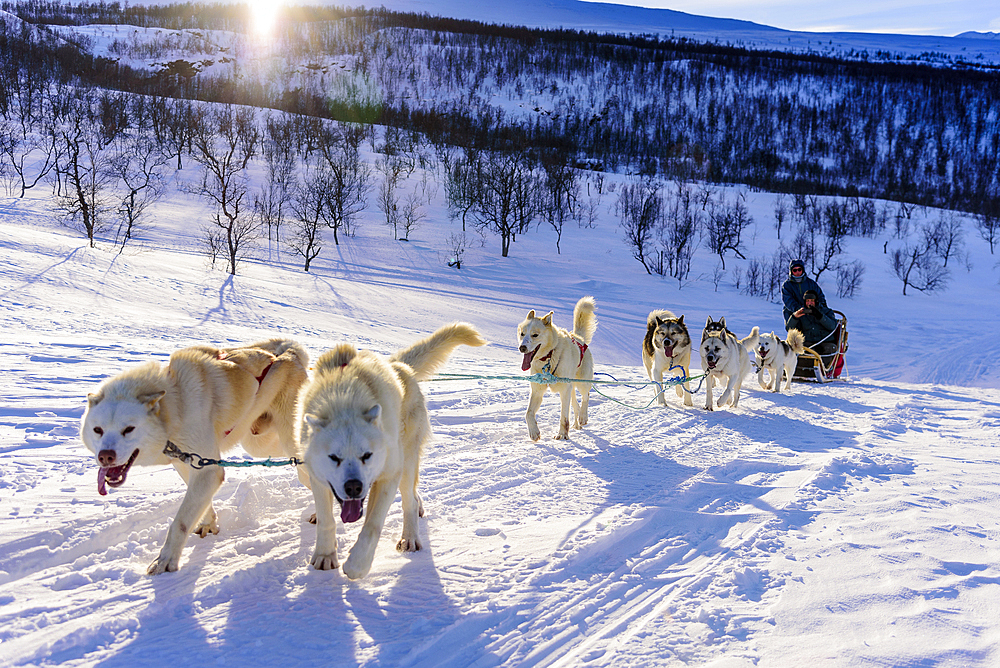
<point>823,368</point>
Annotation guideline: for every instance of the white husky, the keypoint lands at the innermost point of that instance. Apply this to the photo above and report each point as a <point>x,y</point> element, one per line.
<point>724,355</point>
<point>204,400</point>
<point>363,425</point>
<point>563,354</point>
<point>778,356</point>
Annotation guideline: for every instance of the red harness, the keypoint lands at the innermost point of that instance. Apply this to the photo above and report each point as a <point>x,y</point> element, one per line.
<point>579,344</point>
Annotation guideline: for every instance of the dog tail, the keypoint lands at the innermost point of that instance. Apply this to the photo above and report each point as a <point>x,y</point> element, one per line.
<point>338,356</point>
<point>584,320</point>
<point>796,340</point>
<point>752,339</point>
<point>426,356</point>
<point>284,347</point>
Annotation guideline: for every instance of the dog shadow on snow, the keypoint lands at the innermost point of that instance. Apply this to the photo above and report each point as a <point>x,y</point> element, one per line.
<point>282,612</point>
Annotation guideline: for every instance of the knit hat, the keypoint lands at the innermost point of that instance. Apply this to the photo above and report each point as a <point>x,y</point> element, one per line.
<point>792,265</point>
<point>810,294</point>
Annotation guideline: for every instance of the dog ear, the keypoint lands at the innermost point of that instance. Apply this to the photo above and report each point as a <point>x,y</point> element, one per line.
<point>722,322</point>
<point>152,400</point>
<point>531,314</point>
<point>708,322</point>
<point>372,413</point>
<point>314,421</point>
<point>680,320</point>
<point>547,318</point>
<point>94,399</point>
<point>657,321</point>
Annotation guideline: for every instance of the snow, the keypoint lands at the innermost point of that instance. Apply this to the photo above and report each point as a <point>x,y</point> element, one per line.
<point>849,523</point>
<point>853,523</point>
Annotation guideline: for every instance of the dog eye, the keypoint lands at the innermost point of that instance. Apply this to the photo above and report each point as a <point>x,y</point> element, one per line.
<point>365,457</point>
<point>127,430</point>
<point>98,431</point>
<point>336,460</point>
<point>534,335</point>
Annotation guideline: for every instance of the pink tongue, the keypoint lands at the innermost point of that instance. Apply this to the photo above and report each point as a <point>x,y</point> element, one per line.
<point>668,350</point>
<point>101,489</point>
<point>526,363</point>
<point>351,511</point>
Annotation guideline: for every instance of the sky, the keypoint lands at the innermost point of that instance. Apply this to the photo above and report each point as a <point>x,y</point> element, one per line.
<point>882,16</point>
<point>852,523</point>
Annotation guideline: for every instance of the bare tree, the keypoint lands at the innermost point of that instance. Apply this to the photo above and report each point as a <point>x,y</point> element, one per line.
<point>458,244</point>
<point>918,268</point>
<point>137,164</point>
<point>988,225</point>
<point>462,185</point>
<point>678,234</point>
<point>220,148</point>
<point>725,225</point>
<point>944,237</point>
<point>87,172</point>
<point>849,277</point>
<point>411,214</point>
<point>28,137</point>
<point>350,182</point>
<point>309,206</point>
<point>387,197</point>
<point>780,213</point>
<point>640,208</point>
<point>559,192</point>
<point>501,175</point>
<point>278,147</point>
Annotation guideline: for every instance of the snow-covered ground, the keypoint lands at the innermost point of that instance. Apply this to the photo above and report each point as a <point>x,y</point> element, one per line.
<point>854,523</point>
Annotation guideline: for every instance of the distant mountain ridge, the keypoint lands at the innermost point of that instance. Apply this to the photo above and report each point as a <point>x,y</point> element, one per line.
<point>976,49</point>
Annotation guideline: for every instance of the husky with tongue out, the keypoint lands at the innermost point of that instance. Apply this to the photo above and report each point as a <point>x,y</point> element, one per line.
<point>363,425</point>
<point>667,348</point>
<point>204,400</point>
<point>563,354</point>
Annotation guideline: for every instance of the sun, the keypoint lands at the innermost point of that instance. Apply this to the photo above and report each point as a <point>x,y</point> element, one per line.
<point>263,14</point>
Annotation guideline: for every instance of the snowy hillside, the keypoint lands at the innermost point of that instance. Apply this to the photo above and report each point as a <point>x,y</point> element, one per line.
<point>617,18</point>
<point>852,523</point>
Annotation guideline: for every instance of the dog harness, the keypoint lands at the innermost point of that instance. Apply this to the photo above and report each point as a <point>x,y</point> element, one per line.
<point>579,344</point>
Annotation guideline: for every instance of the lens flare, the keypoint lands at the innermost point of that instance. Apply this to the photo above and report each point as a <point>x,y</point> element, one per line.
<point>263,14</point>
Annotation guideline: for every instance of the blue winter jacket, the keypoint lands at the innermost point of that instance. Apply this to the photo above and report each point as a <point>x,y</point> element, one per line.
<point>791,297</point>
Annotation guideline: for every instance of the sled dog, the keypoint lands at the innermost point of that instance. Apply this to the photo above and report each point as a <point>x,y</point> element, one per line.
<point>667,345</point>
<point>362,426</point>
<point>564,354</point>
<point>205,400</point>
<point>778,356</point>
<point>724,355</point>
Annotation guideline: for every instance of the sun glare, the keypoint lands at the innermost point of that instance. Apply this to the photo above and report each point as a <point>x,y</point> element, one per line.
<point>263,14</point>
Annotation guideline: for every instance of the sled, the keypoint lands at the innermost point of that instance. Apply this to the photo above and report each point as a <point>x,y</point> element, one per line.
<point>818,368</point>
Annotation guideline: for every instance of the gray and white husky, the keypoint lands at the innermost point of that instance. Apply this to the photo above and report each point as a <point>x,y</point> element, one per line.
<point>725,356</point>
<point>667,345</point>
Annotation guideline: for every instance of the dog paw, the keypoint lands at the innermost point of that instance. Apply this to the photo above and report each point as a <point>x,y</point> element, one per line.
<point>562,436</point>
<point>534,434</point>
<point>708,407</point>
<point>356,568</point>
<point>324,562</point>
<point>408,545</point>
<point>206,528</point>
<point>162,565</point>
<point>312,519</point>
